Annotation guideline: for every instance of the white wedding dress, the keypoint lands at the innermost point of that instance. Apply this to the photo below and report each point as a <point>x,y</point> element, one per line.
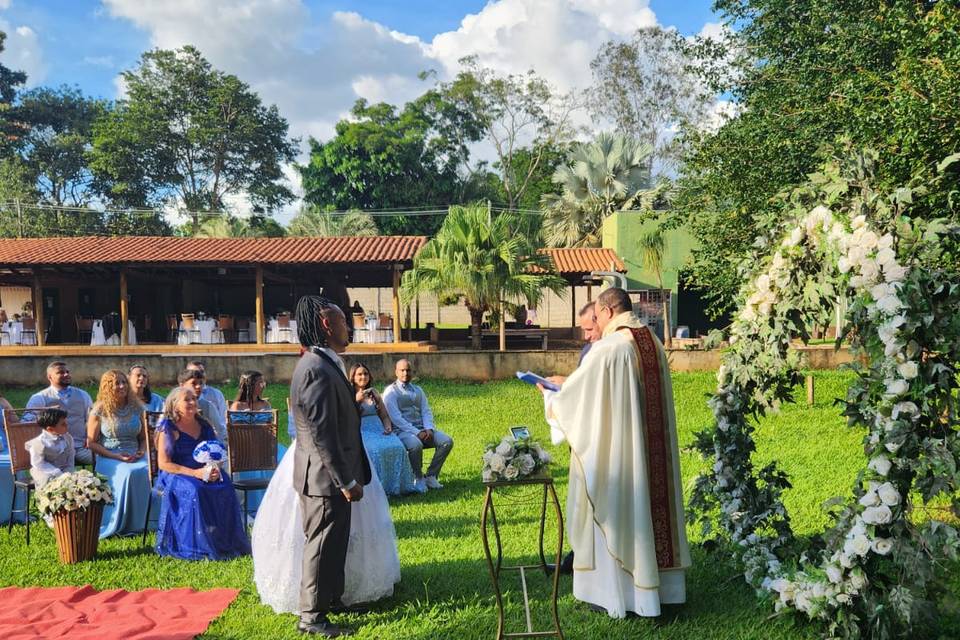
<point>372,565</point>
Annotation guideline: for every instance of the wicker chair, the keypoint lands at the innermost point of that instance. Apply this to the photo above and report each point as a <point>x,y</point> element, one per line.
<point>251,446</point>
<point>149,421</point>
<point>18,433</point>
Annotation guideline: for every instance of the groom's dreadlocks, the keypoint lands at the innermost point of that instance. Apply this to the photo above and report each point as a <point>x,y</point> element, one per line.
<point>310,310</point>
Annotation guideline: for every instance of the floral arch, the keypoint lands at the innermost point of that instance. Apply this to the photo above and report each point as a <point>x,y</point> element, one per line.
<point>877,571</point>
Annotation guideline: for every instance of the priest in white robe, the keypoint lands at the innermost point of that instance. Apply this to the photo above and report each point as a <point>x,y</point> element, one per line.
<point>625,516</point>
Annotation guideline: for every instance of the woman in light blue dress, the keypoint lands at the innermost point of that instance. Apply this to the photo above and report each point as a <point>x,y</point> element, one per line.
<point>384,448</point>
<point>115,435</point>
<point>140,382</point>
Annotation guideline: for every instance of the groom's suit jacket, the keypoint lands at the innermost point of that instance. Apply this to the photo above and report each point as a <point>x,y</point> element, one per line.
<point>329,454</point>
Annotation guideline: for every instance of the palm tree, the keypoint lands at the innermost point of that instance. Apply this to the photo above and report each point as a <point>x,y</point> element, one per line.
<point>606,175</point>
<point>652,246</point>
<point>312,221</point>
<point>477,259</point>
<point>225,226</point>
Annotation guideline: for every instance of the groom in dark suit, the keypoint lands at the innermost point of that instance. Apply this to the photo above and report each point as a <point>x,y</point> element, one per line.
<point>329,468</point>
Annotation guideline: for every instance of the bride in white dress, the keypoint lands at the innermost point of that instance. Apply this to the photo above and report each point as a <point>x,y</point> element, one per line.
<point>372,565</point>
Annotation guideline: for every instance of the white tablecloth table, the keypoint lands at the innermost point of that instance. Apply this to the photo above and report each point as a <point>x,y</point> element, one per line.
<point>204,332</point>
<point>371,336</point>
<point>275,335</point>
<point>13,333</point>
<point>98,339</point>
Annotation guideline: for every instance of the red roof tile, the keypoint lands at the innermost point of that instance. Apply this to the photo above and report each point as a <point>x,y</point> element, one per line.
<point>170,250</point>
<point>567,261</point>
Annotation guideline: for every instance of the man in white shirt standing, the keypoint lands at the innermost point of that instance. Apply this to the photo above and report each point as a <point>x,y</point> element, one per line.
<point>413,423</point>
<point>211,394</point>
<point>76,402</point>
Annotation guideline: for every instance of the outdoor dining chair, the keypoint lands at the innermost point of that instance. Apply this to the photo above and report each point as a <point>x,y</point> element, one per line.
<point>283,328</point>
<point>189,327</point>
<point>149,421</point>
<point>251,446</point>
<point>29,333</point>
<point>18,434</point>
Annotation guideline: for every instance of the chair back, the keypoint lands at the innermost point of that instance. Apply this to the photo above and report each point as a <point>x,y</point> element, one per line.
<point>385,321</point>
<point>187,320</point>
<point>18,434</point>
<point>252,440</point>
<point>29,323</point>
<point>283,320</point>
<point>147,322</point>
<point>172,322</point>
<point>242,323</point>
<point>84,324</point>
<point>226,323</point>
<point>149,421</point>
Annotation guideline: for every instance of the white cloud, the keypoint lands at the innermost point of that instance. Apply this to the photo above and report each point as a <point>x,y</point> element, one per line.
<point>99,61</point>
<point>23,52</point>
<point>4,4</point>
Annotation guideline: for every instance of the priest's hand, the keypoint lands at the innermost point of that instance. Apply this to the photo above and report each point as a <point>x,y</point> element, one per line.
<point>557,380</point>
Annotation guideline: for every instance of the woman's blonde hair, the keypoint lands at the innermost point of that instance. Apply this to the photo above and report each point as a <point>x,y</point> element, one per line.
<point>107,396</point>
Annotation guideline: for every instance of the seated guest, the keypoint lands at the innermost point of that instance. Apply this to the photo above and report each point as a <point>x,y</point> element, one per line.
<point>140,383</point>
<point>193,379</point>
<point>212,395</point>
<point>249,397</point>
<point>387,454</point>
<point>199,512</point>
<point>115,434</point>
<point>51,452</point>
<point>76,402</point>
<point>413,423</point>
<point>9,415</point>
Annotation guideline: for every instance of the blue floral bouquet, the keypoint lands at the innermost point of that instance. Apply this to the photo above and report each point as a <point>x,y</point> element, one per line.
<point>211,454</point>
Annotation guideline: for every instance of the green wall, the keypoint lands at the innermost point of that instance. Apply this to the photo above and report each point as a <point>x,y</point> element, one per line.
<point>622,232</point>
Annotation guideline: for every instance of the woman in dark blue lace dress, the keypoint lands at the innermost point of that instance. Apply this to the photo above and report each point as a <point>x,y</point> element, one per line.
<point>384,448</point>
<point>199,512</point>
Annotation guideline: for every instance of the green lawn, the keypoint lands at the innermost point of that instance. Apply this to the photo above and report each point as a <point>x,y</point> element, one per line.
<point>445,591</point>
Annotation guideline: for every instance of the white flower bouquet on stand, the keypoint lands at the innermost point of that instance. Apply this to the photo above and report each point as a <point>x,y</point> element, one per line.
<point>513,459</point>
<point>74,503</point>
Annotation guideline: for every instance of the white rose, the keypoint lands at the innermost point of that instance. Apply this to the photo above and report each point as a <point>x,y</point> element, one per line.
<point>843,598</point>
<point>748,314</point>
<point>886,256</point>
<point>526,463</point>
<point>488,475</point>
<point>859,222</point>
<point>869,271</point>
<point>511,472</point>
<point>763,283</point>
<point>908,408</point>
<point>889,304</point>
<point>877,515</point>
<point>892,447</point>
<point>888,333</point>
<point>882,546</point>
<point>497,463</point>
<point>908,370</point>
<point>881,290</point>
<point>885,241</point>
<point>880,464</point>
<point>505,449</point>
<point>843,264</point>
<point>488,456</point>
<point>888,494</point>
<point>894,272</point>
<point>834,573</point>
<point>858,580</point>
<point>858,546</point>
<point>897,388</point>
<point>869,240</point>
<point>797,236</point>
<point>870,499</point>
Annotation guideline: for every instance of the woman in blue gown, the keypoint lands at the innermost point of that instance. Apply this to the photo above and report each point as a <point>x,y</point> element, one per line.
<point>199,513</point>
<point>384,448</point>
<point>114,434</point>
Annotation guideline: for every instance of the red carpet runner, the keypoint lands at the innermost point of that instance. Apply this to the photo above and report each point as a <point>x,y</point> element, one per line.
<point>83,613</point>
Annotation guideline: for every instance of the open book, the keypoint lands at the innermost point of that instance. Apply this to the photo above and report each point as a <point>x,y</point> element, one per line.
<point>531,378</point>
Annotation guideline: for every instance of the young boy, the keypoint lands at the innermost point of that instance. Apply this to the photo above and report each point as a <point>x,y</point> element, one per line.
<point>52,452</point>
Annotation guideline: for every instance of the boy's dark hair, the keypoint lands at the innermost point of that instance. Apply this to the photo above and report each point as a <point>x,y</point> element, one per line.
<point>189,374</point>
<point>47,418</point>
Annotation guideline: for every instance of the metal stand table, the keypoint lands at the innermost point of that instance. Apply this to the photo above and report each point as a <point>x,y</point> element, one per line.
<point>489,516</point>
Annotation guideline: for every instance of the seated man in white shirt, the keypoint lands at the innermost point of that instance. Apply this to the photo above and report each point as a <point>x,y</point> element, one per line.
<point>413,423</point>
<point>76,402</point>
<point>212,395</point>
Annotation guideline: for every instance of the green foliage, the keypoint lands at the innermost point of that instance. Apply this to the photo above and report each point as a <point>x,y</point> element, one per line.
<point>806,76</point>
<point>608,174</point>
<point>12,128</point>
<point>312,221</point>
<point>228,226</point>
<point>477,257</point>
<point>190,133</point>
<point>384,159</point>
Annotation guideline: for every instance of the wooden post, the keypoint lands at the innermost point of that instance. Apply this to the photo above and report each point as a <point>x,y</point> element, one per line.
<point>418,311</point>
<point>124,308</point>
<point>261,325</point>
<point>573,311</point>
<point>36,295</point>
<point>503,327</point>
<point>589,293</point>
<point>810,399</point>
<point>396,306</point>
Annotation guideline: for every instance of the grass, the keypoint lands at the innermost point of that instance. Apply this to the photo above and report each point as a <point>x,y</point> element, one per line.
<point>445,590</point>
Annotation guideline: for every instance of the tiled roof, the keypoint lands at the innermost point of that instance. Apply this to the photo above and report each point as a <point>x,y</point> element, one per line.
<point>169,250</point>
<point>567,261</point>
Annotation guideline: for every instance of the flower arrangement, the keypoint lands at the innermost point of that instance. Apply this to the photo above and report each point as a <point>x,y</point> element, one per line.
<point>72,491</point>
<point>513,459</point>
<point>210,453</point>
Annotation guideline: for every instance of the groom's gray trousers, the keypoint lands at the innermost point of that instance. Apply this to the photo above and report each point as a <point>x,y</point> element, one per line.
<point>326,526</point>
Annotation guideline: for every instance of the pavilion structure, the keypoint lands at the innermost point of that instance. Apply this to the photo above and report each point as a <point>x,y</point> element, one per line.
<point>154,279</point>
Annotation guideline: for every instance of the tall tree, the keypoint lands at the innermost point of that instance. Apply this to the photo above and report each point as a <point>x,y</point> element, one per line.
<point>187,132</point>
<point>12,128</point>
<point>385,158</point>
<point>647,88</point>
<point>605,175</point>
<point>54,150</point>
<point>522,117</point>
<point>313,221</point>
<point>809,78</point>
<point>477,258</point>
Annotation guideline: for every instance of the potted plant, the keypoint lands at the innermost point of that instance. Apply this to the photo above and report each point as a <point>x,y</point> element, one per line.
<point>73,502</point>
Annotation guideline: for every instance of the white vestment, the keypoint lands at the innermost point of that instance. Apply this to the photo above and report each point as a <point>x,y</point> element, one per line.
<point>625,516</point>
